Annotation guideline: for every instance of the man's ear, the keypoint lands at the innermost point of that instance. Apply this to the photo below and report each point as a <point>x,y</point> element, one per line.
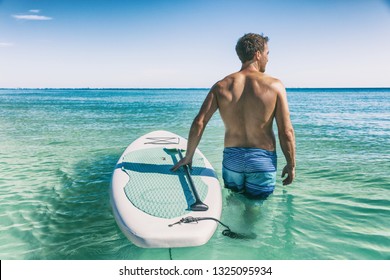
<point>257,55</point>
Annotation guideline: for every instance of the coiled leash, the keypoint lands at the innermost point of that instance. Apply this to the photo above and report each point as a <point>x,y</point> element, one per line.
<point>227,232</point>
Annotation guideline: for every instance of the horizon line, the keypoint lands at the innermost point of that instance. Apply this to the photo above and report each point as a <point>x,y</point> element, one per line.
<point>176,88</point>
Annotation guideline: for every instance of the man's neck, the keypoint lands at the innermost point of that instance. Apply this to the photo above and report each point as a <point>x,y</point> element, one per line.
<point>251,66</point>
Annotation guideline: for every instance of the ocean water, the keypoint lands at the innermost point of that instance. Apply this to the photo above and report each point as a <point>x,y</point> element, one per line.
<point>58,148</point>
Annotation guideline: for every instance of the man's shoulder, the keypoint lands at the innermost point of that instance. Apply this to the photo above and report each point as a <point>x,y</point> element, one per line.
<point>231,78</point>
<point>226,82</point>
<point>274,83</point>
<point>270,79</point>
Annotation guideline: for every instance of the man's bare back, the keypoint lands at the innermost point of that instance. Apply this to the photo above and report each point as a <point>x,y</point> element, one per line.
<point>247,102</point>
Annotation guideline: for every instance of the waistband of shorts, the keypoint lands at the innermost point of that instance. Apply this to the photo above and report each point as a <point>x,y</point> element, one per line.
<point>248,150</point>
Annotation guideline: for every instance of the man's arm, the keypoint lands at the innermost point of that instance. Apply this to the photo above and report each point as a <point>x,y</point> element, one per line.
<point>209,106</point>
<point>286,133</point>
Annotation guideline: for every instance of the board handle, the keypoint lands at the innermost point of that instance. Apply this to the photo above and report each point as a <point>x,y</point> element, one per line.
<point>198,205</point>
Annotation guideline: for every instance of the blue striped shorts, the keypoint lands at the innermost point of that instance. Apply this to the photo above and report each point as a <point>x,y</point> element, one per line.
<point>251,171</point>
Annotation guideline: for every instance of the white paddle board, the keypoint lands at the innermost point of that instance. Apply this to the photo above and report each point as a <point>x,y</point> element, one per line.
<point>149,200</point>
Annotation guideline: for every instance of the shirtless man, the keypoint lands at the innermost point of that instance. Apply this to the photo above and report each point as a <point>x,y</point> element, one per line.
<point>248,102</point>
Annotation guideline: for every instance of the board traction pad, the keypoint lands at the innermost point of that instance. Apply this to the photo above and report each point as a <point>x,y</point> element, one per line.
<point>155,189</point>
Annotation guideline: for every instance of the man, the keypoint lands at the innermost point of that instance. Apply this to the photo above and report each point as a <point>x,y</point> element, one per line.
<point>248,102</point>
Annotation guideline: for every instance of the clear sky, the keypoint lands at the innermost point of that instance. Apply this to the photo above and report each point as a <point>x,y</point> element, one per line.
<point>190,43</point>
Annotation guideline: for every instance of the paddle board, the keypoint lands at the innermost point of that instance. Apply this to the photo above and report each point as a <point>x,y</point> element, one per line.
<point>149,200</point>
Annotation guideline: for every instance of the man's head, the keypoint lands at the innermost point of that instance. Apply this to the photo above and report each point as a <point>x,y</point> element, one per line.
<point>249,44</point>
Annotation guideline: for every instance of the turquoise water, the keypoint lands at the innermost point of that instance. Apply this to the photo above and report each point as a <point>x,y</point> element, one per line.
<point>58,149</point>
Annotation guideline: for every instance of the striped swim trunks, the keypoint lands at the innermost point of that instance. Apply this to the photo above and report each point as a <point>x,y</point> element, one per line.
<point>251,171</point>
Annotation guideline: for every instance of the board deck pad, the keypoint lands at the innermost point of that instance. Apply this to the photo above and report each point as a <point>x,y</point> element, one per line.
<point>155,189</point>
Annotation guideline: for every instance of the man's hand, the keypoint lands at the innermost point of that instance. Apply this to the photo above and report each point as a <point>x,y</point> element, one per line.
<point>290,171</point>
<point>183,161</point>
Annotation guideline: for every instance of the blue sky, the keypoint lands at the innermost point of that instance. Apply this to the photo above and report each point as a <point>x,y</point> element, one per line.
<point>190,43</point>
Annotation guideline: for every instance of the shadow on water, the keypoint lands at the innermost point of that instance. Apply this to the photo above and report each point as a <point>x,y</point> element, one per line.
<point>78,219</point>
